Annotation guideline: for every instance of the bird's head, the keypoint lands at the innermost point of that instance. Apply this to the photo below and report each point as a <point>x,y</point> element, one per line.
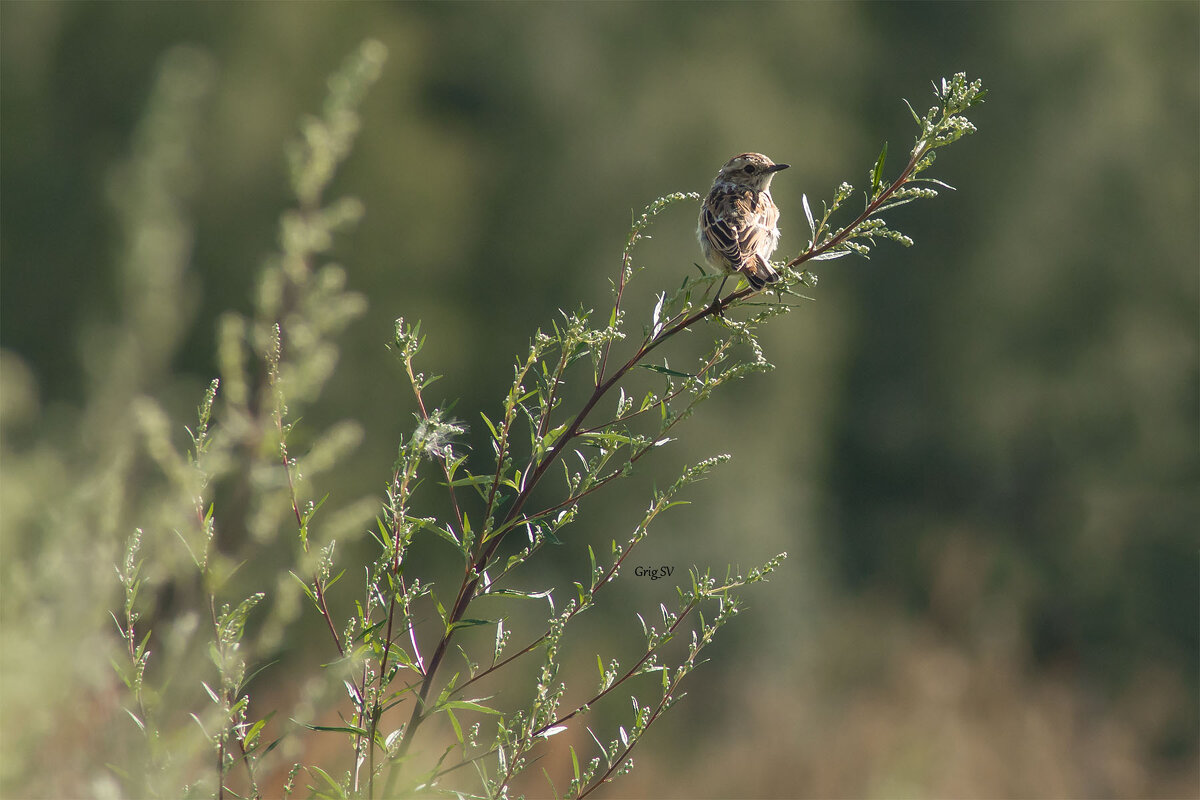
<point>752,170</point>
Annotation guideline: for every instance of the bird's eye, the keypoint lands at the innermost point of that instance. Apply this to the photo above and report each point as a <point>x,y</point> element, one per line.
<point>749,169</point>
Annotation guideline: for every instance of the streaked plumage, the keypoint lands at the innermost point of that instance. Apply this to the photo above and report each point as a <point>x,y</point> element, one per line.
<point>739,222</point>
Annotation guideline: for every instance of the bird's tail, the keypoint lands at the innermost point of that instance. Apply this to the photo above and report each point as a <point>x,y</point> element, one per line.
<point>760,272</point>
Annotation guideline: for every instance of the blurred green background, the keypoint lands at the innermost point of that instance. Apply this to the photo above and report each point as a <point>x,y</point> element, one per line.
<point>982,452</point>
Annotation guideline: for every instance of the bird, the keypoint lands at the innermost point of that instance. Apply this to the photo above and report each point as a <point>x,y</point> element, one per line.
<point>739,221</point>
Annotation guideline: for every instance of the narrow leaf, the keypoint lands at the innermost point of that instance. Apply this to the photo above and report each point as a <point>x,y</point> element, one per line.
<point>877,173</point>
<point>470,623</point>
<point>916,117</point>
<point>468,705</point>
<point>674,373</point>
<point>332,783</point>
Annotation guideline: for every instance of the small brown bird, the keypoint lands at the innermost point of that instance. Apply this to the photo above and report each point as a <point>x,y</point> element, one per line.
<point>738,228</point>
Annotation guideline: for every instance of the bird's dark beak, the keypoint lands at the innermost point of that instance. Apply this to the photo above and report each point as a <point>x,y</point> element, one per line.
<point>777,167</point>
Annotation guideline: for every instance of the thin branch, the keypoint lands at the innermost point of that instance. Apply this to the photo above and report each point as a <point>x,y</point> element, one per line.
<point>443,460</point>
<point>505,429</point>
<point>467,590</point>
<point>845,233</point>
<point>654,715</point>
<point>718,354</point>
<point>688,609</point>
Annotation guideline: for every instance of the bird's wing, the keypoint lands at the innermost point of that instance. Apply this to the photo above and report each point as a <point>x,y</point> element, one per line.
<point>739,226</point>
<point>725,226</point>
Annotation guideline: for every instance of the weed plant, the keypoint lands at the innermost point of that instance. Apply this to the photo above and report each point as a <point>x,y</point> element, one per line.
<point>409,653</point>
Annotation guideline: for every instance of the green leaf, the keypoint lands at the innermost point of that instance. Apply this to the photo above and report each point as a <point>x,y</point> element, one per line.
<point>253,675</point>
<point>916,117</point>
<point>472,480</point>
<point>656,317</point>
<point>491,427</point>
<point>252,734</point>
<point>877,173</point>
<point>334,580</point>
<point>442,532</point>
<point>120,670</point>
<point>141,648</point>
<point>469,623</point>
<point>934,180</point>
<point>829,255</point>
<point>674,373</point>
<point>351,729</point>
<point>370,629</point>
<point>894,204</point>
<point>517,593</point>
<point>337,789</point>
<point>470,705</point>
<point>135,719</point>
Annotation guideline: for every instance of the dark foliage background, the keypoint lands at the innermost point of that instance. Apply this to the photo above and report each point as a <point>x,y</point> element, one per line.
<point>981,452</point>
